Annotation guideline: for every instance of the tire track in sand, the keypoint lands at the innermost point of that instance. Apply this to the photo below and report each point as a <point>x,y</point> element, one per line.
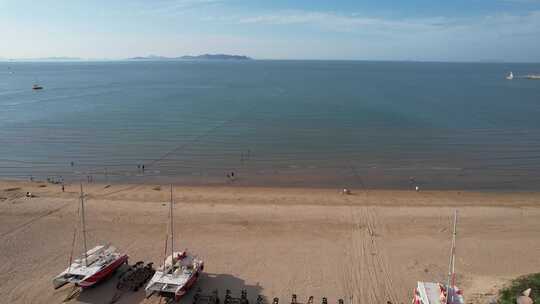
<point>367,276</point>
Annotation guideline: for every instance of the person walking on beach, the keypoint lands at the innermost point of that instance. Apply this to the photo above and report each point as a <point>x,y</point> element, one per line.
<point>63,189</point>
<point>230,176</point>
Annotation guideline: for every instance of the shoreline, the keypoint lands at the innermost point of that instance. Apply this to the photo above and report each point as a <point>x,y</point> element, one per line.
<point>240,184</point>
<point>358,197</point>
<point>273,241</point>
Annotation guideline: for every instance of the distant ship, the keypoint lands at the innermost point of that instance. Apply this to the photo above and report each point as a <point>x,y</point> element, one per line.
<point>37,87</point>
<point>510,76</point>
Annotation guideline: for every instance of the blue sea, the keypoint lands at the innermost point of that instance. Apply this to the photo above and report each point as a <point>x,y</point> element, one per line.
<point>273,123</point>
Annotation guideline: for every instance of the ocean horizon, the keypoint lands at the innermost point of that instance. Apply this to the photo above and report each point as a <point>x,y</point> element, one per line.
<point>166,59</point>
<point>321,123</point>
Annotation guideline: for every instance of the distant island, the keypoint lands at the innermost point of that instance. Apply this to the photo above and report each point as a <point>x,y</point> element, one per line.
<point>199,57</point>
<point>151,57</point>
<point>217,56</point>
<point>57,58</point>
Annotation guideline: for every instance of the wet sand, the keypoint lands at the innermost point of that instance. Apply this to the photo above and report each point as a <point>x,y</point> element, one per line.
<point>372,246</point>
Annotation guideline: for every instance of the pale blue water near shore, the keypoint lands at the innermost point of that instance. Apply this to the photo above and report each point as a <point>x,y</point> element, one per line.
<point>297,123</point>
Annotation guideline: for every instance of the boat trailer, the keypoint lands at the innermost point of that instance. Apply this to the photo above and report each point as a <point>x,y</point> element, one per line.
<point>200,298</point>
<point>133,279</point>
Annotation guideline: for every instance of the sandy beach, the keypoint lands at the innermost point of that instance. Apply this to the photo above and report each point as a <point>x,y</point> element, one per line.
<point>371,246</point>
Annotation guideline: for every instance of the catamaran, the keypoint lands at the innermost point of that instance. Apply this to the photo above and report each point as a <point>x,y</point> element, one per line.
<point>94,265</point>
<point>439,293</point>
<point>180,270</point>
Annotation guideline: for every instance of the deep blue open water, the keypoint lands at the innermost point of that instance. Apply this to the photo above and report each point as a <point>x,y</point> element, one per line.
<point>286,123</point>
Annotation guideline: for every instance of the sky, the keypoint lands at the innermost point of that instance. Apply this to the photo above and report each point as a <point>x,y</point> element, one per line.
<point>424,30</point>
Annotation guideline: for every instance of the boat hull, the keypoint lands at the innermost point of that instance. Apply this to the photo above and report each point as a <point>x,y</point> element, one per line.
<point>104,273</point>
<point>57,283</point>
<point>181,291</point>
<point>436,293</point>
<point>189,284</point>
<point>93,279</point>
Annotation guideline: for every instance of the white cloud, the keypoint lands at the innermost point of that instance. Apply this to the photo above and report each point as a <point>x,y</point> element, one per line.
<point>527,23</point>
<point>171,7</point>
<point>345,23</point>
<point>502,36</point>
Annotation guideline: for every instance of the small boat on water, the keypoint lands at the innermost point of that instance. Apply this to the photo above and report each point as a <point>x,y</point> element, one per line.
<point>510,76</point>
<point>37,87</point>
<point>441,293</point>
<point>179,271</point>
<point>94,266</point>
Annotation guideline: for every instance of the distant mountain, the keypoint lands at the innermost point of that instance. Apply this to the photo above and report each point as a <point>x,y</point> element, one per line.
<point>199,57</point>
<point>59,58</point>
<point>216,57</point>
<point>151,57</point>
<point>45,59</point>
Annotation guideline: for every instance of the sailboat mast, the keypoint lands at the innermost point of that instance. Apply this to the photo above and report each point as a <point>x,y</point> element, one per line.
<point>454,234</point>
<point>172,225</point>
<point>83,228</point>
<point>451,266</point>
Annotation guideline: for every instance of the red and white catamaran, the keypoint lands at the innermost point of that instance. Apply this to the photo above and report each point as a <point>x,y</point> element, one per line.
<point>439,293</point>
<point>180,270</point>
<point>94,265</point>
